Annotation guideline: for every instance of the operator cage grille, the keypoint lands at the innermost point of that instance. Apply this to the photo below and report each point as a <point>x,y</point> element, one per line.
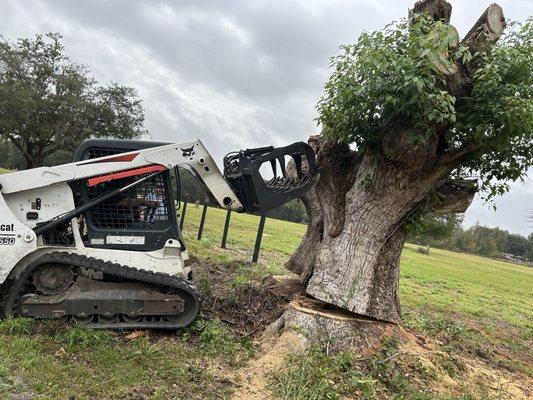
<point>142,206</point>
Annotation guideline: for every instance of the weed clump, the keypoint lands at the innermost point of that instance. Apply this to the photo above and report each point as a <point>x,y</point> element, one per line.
<point>17,326</point>
<point>315,376</point>
<point>214,338</point>
<point>144,350</point>
<point>84,337</point>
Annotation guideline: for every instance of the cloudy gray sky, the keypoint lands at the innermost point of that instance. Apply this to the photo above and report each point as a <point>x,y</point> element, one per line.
<point>236,74</point>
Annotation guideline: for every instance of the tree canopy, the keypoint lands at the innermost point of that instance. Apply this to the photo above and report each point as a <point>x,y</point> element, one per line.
<point>49,103</point>
<point>401,74</point>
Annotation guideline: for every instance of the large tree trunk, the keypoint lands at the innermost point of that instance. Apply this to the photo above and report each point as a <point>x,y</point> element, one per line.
<point>350,254</point>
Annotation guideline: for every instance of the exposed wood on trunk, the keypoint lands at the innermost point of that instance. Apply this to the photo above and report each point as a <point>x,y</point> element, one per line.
<point>332,329</point>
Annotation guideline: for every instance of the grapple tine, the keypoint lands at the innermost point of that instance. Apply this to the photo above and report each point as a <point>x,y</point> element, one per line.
<point>298,164</point>
<point>282,164</point>
<point>274,167</point>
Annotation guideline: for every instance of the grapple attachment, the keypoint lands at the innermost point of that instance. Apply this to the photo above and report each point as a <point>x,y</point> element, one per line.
<point>296,175</point>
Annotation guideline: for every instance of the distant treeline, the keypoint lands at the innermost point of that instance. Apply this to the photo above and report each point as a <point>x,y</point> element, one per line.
<point>446,232</point>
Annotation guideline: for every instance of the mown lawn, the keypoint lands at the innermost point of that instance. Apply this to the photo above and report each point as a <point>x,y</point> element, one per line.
<point>469,285</point>
<point>280,238</point>
<point>471,304</point>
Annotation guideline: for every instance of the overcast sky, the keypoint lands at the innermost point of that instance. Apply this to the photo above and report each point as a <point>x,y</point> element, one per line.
<point>236,74</point>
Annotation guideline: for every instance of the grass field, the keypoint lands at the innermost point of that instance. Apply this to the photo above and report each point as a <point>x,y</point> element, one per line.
<point>3,170</point>
<point>471,305</point>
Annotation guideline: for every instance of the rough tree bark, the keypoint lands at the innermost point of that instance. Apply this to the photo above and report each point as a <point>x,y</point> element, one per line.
<point>349,256</point>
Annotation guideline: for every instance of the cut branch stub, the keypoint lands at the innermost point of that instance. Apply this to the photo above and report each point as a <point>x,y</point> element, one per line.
<point>488,29</point>
<point>439,10</point>
<point>441,61</point>
<point>454,196</point>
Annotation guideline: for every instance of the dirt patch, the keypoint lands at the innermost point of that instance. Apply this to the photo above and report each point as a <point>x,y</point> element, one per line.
<point>21,389</point>
<point>423,363</point>
<point>244,302</point>
<point>254,378</point>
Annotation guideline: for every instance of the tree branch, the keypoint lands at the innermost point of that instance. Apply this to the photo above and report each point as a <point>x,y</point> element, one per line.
<point>451,157</point>
<point>17,144</point>
<point>454,196</point>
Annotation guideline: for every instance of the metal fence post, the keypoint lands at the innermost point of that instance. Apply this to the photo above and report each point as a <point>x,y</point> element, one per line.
<point>226,228</point>
<point>202,220</point>
<point>182,214</point>
<point>260,230</point>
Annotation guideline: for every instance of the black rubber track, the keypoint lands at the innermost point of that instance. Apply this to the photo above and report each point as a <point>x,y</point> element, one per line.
<point>163,281</point>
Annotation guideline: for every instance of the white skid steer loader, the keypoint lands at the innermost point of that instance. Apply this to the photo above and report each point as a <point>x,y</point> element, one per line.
<point>97,240</point>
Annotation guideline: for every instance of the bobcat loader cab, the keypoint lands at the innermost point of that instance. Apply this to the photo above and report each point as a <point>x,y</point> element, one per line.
<point>97,241</point>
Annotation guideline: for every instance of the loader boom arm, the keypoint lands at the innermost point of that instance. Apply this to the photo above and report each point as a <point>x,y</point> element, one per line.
<point>190,155</point>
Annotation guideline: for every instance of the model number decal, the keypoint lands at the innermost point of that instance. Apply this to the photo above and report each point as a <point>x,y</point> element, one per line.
<point>7,241</point>
<point>138,240</point>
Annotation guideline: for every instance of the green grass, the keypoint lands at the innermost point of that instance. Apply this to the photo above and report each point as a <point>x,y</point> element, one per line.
<point>466,284</point>
<point>87,364</point>
<point>315,376</point>
<point>17,326</point>
<point>471,304</point>
<point>4,171</point>
<point>280,238</point>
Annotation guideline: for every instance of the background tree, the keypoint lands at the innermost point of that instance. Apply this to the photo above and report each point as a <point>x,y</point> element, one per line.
<point>435,230</point>
<point>414,121</point>
<point>48,103</point>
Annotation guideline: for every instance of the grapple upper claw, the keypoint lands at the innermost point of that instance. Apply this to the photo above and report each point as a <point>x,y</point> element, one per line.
<point>242,172</point>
